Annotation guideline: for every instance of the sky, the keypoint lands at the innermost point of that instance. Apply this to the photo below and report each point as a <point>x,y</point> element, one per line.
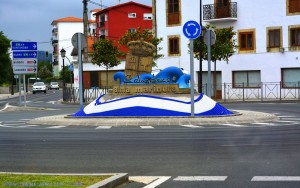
<point>30,20</point>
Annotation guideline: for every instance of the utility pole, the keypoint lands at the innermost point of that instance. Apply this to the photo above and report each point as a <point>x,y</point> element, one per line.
<point>85,50</point>
<point>200,53</point>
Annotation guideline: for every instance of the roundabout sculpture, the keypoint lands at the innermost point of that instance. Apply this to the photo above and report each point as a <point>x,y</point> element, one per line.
<point>142,94</point>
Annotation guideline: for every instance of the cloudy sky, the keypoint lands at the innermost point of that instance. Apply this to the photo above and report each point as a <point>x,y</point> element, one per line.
<point>30,20</point>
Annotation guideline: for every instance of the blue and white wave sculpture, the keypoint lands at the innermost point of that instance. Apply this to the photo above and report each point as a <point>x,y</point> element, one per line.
<point>151,106</point>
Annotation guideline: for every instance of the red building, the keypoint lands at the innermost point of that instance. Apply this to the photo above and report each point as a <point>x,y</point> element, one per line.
<point>113,22</point>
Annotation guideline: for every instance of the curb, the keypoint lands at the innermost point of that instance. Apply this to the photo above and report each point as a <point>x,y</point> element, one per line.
<point>111,182</point>
<point>245,117</point>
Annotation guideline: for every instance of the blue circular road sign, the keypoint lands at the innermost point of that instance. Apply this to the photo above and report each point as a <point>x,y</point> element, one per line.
<point>191,29</point>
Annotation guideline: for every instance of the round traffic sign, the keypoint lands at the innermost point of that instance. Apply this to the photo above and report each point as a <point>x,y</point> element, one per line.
<point>191,29</point>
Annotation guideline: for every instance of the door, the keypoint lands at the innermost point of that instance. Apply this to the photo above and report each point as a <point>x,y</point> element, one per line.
<point>86,80</point>
<point>94,79</point>
<point>222,9</point>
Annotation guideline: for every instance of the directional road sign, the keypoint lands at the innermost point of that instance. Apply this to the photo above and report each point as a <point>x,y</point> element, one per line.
<point>24,54</point>
<point>21,46</point>
<point>191,29</point>
<point>25,62</point>
<point>24,70</point>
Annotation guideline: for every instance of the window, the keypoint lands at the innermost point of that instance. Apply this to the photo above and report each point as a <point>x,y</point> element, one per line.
<point>131,30</point>
<point>294,6</point>
<point>290,77</point>
<point>246,40</point>
<point>173,12</point>
<point>246,78</point>
<point>147,16</point>
<point>295,37</point>
<point>131,15</point>
<point>274,38</point>
<point>174,46</point>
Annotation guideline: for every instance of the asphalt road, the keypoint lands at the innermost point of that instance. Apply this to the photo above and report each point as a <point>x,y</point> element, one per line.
<point>260,156</point>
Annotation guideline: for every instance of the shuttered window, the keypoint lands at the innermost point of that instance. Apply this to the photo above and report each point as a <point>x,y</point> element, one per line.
<point>173,12</point>
<point>294,6</point>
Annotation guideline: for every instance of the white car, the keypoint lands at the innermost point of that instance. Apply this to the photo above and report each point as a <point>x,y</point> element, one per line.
<point>53,85</point>
<point>39,87</point>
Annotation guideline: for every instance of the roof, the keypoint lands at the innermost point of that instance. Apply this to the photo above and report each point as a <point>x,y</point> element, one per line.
<point>70,19</point>
<point>122,4</point>
<point>96,10</point>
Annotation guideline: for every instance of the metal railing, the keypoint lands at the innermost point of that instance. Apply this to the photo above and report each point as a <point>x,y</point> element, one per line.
<point>267,91</point>
<point>218,11</point>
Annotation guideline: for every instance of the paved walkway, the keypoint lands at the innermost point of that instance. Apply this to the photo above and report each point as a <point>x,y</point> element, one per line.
<point>241,117</point>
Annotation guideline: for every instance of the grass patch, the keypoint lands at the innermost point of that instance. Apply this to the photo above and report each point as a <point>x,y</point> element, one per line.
<point>49,181</point>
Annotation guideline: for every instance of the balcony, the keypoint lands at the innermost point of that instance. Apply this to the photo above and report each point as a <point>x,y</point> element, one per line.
<point>220,12</point>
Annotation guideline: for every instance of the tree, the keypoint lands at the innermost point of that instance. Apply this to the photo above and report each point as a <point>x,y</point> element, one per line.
<point>6,72</point>
<point>223,49</point>
<point>68,74</point>
<point>105,54</point>
<point>44,70</point>
<point>145,35</point>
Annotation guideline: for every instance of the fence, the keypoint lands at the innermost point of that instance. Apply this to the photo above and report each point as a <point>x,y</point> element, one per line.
<point>227,92</point>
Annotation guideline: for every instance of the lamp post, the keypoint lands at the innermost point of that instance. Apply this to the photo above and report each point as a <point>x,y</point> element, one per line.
<point>63,55</point>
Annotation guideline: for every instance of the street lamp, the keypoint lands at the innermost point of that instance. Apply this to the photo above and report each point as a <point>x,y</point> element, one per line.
<point>63,55</point>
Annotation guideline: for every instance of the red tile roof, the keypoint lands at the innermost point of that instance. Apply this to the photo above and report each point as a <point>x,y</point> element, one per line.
<point>120,5</point>
<point>70,19</point>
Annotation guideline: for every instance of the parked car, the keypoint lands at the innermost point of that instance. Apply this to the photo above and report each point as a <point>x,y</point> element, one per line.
<point>39,87</point>
<point>53,85</point>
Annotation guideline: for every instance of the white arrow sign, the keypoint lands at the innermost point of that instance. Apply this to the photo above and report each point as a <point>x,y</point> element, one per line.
<point>27,62</point>
<point>25,70</point>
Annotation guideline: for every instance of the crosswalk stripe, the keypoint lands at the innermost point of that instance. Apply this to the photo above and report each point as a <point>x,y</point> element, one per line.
<point>283,121</point>
<point>147,127</point>
<point>103,127</point>
<point>157,182</point>
<point>5,126</point>
<point>57,127</point>
<point>276,178</point>
<point>286,116</point>
<point>200,178</point>
<point>191,126</point>
<point>263,124</point>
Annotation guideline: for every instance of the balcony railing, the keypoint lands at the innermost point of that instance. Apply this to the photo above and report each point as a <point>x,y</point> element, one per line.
<point>220,12</point>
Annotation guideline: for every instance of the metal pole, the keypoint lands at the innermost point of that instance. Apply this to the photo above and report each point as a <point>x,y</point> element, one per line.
<point>192,76</point>
<point>209,94</point>
<point>63,78</point>
<point>20,92</point>
<point>80,71</point>
<point>24,80</point>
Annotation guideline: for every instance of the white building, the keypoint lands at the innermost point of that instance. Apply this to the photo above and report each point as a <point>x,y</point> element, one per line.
<point>62,31</point>
<point>268,35</point>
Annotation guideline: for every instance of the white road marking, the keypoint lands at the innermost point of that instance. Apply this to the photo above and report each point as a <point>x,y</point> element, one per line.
<point>27,126</point>
<point>52,102</point>
<point>234,125</point>
<point>286,121</point>
<point>286,116</point>
<point>103,127</point>
<point>263,124</point>
<point>5,126</point>
<point>25,119</point>
<point>147,127</point>
<point>157,182</point>
<point>200,178</point>
<point>276,178</point>
<point>192,126</point>
<point>57,127</point>
<point>293,119</point>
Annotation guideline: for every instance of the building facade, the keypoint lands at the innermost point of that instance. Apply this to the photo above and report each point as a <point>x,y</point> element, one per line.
<point>62,31</point>
<point>112,23</point>
<point>267,34</point>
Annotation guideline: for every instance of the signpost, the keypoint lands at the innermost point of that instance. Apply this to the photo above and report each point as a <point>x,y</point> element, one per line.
<point>209,39</point>
<point>192,30</point>
<point>24,61</point>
